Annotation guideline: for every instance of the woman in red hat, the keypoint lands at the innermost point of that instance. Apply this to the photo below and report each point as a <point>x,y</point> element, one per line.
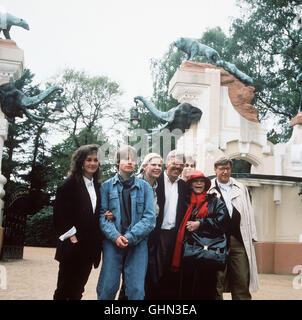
<point>207,216</point>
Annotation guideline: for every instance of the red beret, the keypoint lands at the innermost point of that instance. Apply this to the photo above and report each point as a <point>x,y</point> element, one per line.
<point>198,174</point>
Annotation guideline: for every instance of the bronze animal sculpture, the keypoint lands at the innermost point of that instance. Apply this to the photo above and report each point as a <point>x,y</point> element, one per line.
<point>179,117</point>
<point>7,20</point>
<point>231,68</point>
<point>14,103</point>
<point>193,48</point>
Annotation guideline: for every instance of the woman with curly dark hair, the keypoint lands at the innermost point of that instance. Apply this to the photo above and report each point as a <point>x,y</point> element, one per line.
<point>76,215</point>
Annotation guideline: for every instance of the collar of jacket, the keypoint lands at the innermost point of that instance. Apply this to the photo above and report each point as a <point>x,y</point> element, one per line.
<point>117,180</point>
<point>233,181</point>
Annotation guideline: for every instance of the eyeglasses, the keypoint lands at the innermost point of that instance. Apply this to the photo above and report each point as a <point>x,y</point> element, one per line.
<point>224,169</point>
<point>190,165</point>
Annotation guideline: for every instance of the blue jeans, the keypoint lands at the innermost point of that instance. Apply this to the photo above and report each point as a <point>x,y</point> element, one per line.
<point>133,260</point>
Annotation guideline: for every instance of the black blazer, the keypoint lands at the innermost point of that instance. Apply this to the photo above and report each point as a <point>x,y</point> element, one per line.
<point>73,207</point>
<point>182,204</point>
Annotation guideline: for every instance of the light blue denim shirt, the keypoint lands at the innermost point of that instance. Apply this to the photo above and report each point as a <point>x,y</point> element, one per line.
<point>143,218</point>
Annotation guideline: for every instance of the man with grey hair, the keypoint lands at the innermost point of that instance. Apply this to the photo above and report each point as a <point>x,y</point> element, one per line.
<point>240,276</point>
<point>171,197</point>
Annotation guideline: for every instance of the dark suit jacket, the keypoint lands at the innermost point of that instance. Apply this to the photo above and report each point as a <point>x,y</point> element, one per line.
<point>182,204</point>
<point>73,207</point>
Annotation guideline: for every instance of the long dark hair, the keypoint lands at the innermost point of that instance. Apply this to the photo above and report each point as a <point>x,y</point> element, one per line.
<point>77,160</point>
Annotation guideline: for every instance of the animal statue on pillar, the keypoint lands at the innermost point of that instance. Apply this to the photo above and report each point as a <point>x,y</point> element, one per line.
<point>180,117</point>
<point>7,20</point>
<point>14,103</point>
<point>194,48</point>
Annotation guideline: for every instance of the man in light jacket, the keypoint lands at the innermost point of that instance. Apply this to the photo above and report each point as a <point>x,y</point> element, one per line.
<point>240,276</point>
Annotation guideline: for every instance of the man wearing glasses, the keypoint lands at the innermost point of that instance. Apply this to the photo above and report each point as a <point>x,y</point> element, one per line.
<point>240,276</point>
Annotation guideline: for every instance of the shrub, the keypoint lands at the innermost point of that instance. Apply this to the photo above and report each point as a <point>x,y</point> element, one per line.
<point>40,230</point>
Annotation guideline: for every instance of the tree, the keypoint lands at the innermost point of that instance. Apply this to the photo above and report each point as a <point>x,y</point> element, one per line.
<point>17,131</point>
<point>26,141</point>
<point>163,69</point>
<point>57,165</point>
<point>266,44</point>
<point>38,165</point>
<point>40,229</point>
<point>92,114</point>
<point>90,102</point>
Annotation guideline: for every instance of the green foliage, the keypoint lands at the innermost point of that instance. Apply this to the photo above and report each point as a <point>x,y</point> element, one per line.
<point>218,40</point>
<point>30,161</point>
<point>25,146</point>
<point>90,102</point>
<point>266,44</point>
<point>40,230</point>
<point>57,164</point>
<point>163,69</point>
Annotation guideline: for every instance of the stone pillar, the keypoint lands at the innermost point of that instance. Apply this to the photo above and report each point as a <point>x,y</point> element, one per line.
<point>11,68</point>
<point>227,115</point>
<point>199,85</point>
<point>295,144</point>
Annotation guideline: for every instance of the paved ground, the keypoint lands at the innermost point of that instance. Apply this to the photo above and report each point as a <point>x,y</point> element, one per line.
<point>34,278</point>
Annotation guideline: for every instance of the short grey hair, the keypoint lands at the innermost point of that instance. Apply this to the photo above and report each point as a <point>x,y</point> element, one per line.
<point>222,161</point>
<point>176,154</point>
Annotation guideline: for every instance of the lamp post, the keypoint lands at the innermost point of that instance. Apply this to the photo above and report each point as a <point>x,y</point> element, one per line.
<point>135,120</point>
<point>59,105</point>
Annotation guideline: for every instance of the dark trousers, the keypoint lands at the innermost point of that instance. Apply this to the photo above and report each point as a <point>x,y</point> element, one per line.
<point>168,286</point>
<point>236,276</point>
<point>198,281</point>
<point>72,278</point>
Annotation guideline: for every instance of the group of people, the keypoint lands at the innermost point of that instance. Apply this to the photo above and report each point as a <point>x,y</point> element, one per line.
<point>138,223</point>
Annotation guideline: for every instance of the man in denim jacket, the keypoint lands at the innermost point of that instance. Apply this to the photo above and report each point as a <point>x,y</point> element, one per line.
<point>130,201</point>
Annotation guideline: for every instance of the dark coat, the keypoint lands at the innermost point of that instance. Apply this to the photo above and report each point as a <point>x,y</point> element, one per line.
<point>217,222</point>
<point>182,204</point>
<point>73,207</point>
<point>212,230</point>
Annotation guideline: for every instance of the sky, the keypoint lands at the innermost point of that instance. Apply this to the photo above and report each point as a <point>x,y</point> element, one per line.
<point>115,38</point>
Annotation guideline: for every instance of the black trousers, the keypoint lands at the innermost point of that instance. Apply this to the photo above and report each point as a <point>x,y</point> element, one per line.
<point>152,276</point>
<point>198,281</point>
<point>168,286</point>
<point>72,278</point>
